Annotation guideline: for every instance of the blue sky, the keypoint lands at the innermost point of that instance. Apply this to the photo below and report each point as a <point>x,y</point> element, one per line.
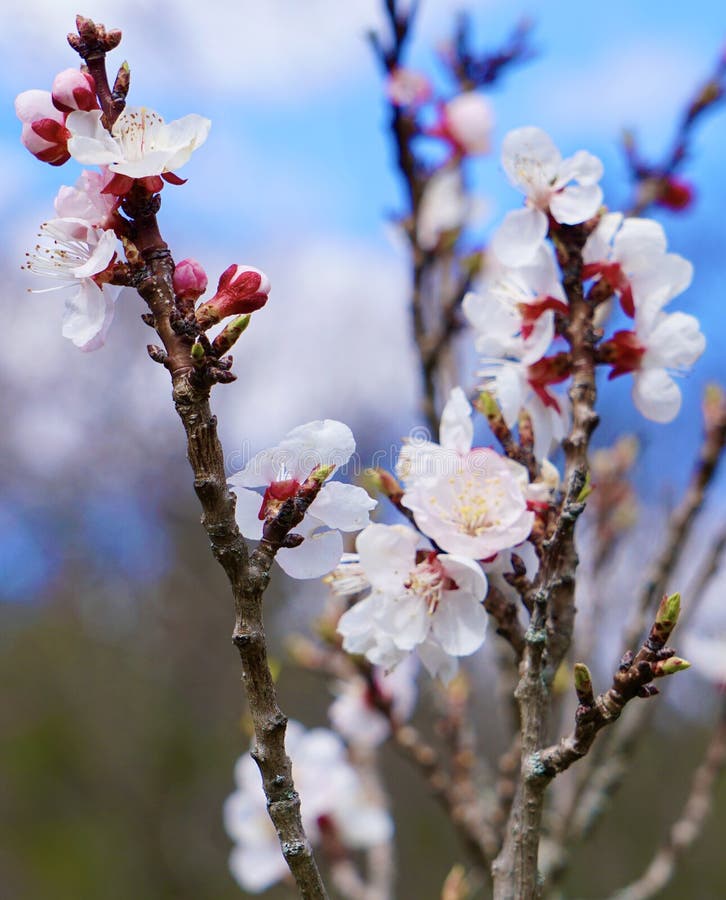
<point>296,178</point>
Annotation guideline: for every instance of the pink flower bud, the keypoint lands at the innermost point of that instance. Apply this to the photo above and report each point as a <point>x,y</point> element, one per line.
<point>44,132</point>
<point>466,123</point>
<point>241,290</point>
<point>74,90</point>
<point>190,280</point>
<point>408,88</point>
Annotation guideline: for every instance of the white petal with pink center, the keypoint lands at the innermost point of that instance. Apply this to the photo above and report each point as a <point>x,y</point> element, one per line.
<point>535,166</point>
<point>473,513</point>
<point>337,507</point>
<point>73,253</point>
<point>140,144</point>
<point>433,600</point>
<point>85,201</point>
<point>639,246</point>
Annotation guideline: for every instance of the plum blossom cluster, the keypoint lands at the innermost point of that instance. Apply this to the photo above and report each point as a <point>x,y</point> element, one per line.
<point>419,588</point>
<point>520,313</point>
<point>81,247</point>
<point>337,808</point>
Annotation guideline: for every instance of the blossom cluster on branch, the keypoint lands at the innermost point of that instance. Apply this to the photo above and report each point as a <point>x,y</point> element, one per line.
<point>472,531</point>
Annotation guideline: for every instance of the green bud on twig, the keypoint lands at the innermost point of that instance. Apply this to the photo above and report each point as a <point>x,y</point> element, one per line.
<point>583,684</point>
<point>487,405</point>
<point>322,473</point>
<point>669,611</point>
<point>670,666</point>
<point>586,489</point>
<point>231,333</point>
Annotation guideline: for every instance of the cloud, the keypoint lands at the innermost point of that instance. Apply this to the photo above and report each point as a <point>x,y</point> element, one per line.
<point>643,83</point>
<point>281,49</point>
<point>332,342</point>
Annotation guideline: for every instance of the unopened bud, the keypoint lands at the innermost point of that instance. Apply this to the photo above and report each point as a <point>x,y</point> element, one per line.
<point>674,193</point>
<point>241,290</point>
<point>467,121</point>
<point>197,352</point>
<point>322,473</point>
<point>228,337</point>
<point>190,280</point>
<point>669,611</point>
<point>383,481</point>
<point>670,666</point>
<point>122,83</point>
<point>44,133</point>
<point>74,90</point>
<point>586,489</point>
<point>487,405</point>
<point>583,679</point>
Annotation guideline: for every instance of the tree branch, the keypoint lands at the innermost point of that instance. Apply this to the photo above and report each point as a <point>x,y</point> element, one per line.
<point>153,268</point>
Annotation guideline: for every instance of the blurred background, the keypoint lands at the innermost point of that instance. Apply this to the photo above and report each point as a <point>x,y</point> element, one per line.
<point>122,712</point>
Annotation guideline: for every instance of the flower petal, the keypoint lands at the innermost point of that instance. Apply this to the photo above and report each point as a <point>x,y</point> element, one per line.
<point>516,240</point>
<point>576,203</point>
<point>317,555</point>
<point>530,158</point>
<point>343,506</point>
<point>319,443</point>
<point>459,623</point>
<point>88,315</point>
<point>457,428</point>
<point>90,143</point>
<point>387,555</point>
<point>247,512</point>
<point>656,395</point>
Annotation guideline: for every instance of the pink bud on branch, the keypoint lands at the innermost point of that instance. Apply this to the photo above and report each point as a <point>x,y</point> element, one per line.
<point>241,290</point>
<point>44,132</point>
<point>190,280</point>
<point>74,90</point>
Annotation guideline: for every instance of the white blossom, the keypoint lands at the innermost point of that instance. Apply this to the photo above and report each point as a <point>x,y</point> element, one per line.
<point>353,713</point>
<point>660,346</point>
<point>332,795</point>
<point>535,166</point>
<point>417,599</point>
<point>514,368</point>
<point>140,144</point>
<point>75,254</point>
<point>86,200</point>
<point>672,343</point>
<point>631,254</point>
<point>282,470</point>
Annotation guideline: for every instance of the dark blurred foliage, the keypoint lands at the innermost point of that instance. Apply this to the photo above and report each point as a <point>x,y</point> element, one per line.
<point>123,714</point>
